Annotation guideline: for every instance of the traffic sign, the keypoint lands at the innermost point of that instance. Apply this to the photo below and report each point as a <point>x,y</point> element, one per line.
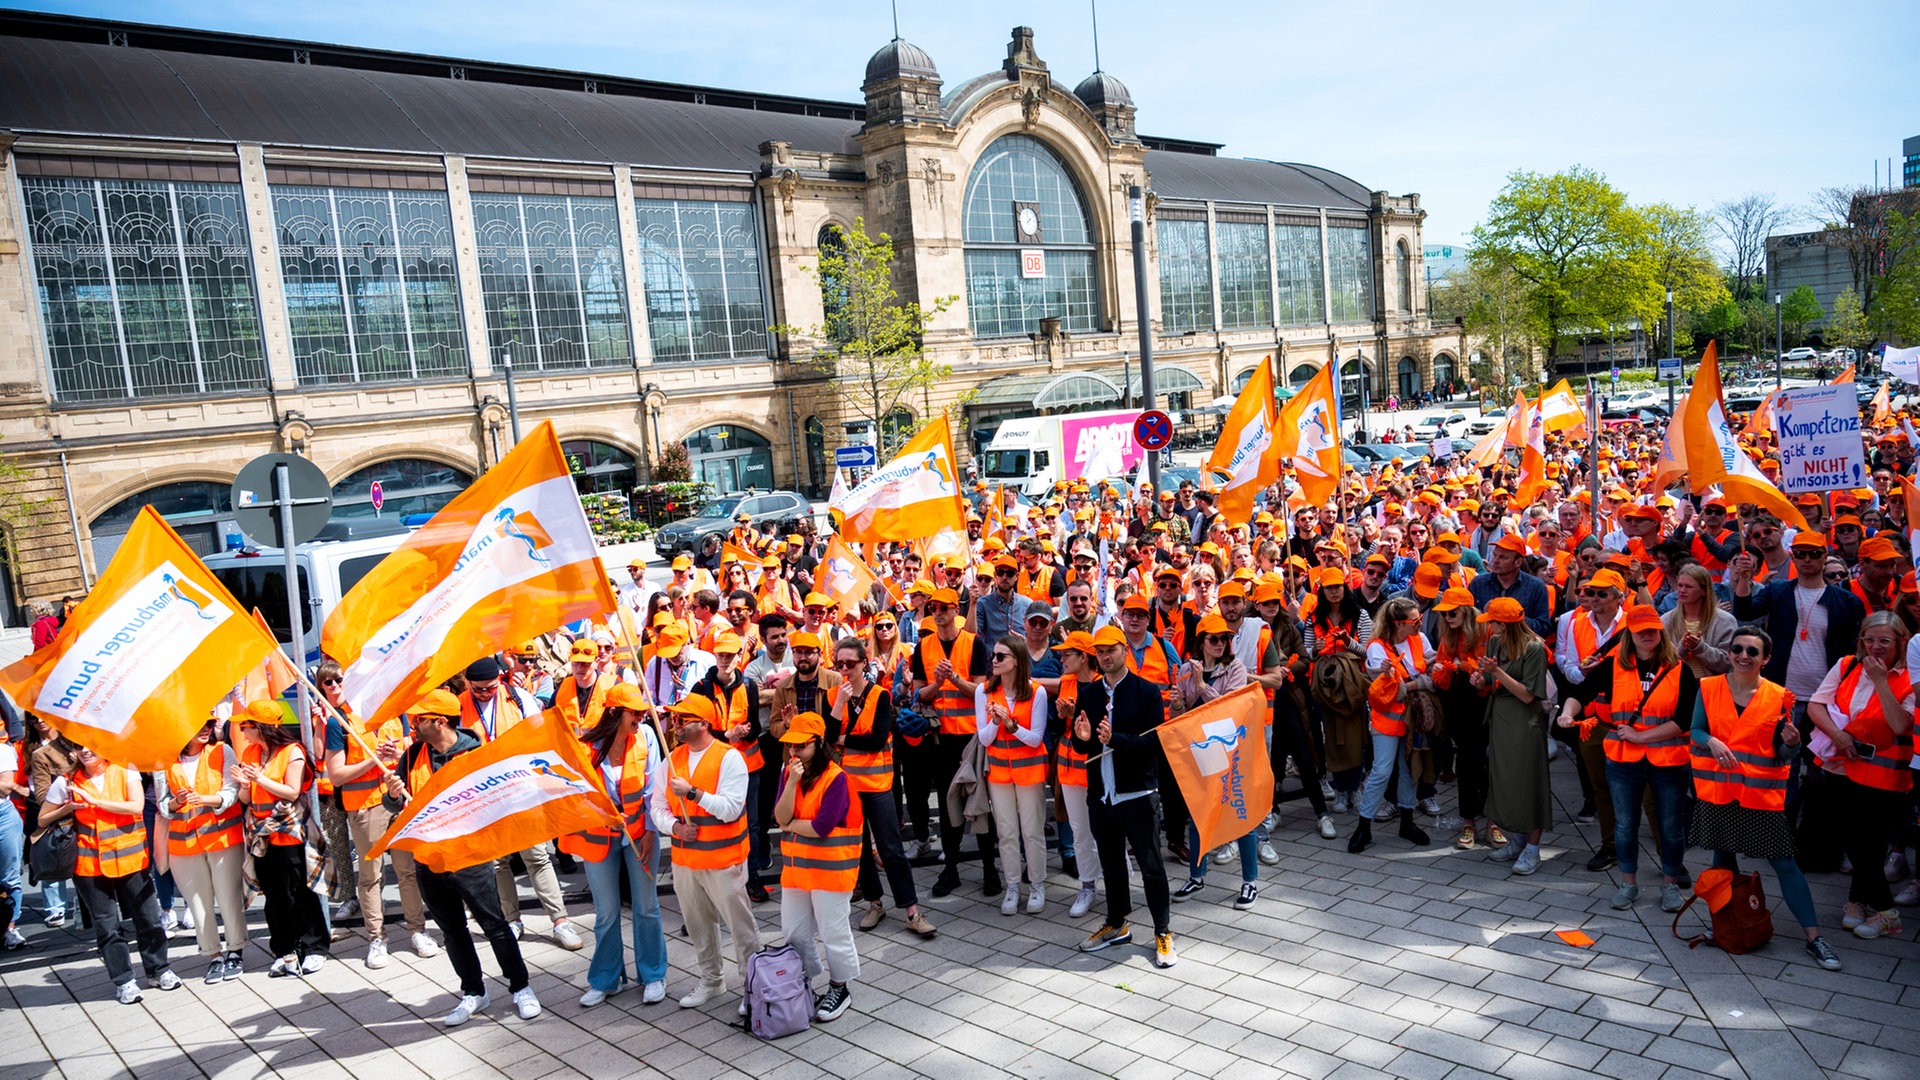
<point>378,496</point>
<point>1153,430</point>
<point>1669,368</point>
<point>856,457</point>
<point>256,499</point>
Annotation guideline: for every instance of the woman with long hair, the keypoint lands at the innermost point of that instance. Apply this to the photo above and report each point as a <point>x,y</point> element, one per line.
<point>1334,635</point>
<point>1397,666</point>
<point>627,755</point>
<point>1863,713</point>
<point>820,826</point>
<point>273,776</point>
<point>1217,672</point>
<point>863,713</point>
<point>1456,657</point>
<point>1697,625</point>
<point>1010,713</point>
<point>1514,672</point>
<point>200,800</point>
<point>1646,689</point>
<point>1744,741</point>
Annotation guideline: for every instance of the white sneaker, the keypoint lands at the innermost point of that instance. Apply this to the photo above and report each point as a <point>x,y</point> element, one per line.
<point>592,997</point>
<point>312,962</point>
<point>1036,899</point>
<point>528,1002</point>
<point>517,927</point>
<point>742,1010</point>
<point>1010,902</point>
<point>1896,867</point>
<point>1268,856</point>
<point>654,993</point>
<point>567,936</point>
<point>15,939</point>
<point>1342,802</point>
<point>128,993</point>
<point>170,922</point>
<point>464,1011</point>
<point>1430,806</point>
<point>377,954</point>
<point>702,993</point>
<point>186,918</point>
<point>1327,830</point>
<point>424,945</point>
<point>1908,896</point>
<point>166,980</point>
<point>1082,902</point>
<point>1225,854</point>
<point>1326,786</point>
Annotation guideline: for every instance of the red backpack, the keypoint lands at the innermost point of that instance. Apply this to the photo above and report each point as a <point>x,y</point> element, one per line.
<point>1738,911</point>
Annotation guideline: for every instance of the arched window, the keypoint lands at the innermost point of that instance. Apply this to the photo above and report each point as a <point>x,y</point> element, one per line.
<point>1355,377</point>
<point>731,458</point>
<point>817,447</point>
<point>1021,199</point>
<point>1301,374</point>
<point>1409,378</point>
<point>407,486</point>
<point>1403,274</point>
<point>195,508</point>
<point>599,467</point>
<point>833,290</point>
<point>897,428</point>
<point>1443,374</point>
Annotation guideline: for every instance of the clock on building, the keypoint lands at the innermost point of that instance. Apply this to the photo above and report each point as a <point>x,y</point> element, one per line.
<point>1026,222</point>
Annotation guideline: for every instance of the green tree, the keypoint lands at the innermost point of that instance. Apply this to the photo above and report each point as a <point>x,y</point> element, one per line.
<point>21,511</point>
<point>1847,323</point>
<point>869,345</point>
<point>1492,304</point>
<point>1723,320</point>
<point>1580,248</point>
<point>1682,263</point>
<point>1894,312</point>
<point>1799,310</point>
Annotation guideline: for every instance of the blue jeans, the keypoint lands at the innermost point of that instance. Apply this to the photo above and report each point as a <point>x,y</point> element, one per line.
<point>12,837</point>
<point>1389,760</point>
<point>1793,885</point>
<point>1628,781</point>
<point>1249,856</point>
<point>53,895</point>
<point>607,969</point>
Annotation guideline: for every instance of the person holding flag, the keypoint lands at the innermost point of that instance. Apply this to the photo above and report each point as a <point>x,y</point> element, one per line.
<point>627,754</point>
<point>200,799</point>
<point>450,894</point>
<point>273,775</point>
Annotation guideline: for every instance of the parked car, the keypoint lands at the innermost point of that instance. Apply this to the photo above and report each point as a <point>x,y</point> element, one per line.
<point>1485,425</point>
<point>1802,354</point>
<point>1449,425</point>
<point>783,509</point>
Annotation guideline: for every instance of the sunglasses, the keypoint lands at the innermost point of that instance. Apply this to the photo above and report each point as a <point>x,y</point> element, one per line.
<point>1218,639</point>
<point>1836,575</point>
<point>938,608</point>
<point>1809,553</point>
<point>999,656</point>
<point>846,665</point>
<point>332,680</point>
<point>1745,650</point>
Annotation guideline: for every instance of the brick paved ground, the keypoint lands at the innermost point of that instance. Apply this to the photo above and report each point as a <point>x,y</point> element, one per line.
<point>1418,964</point>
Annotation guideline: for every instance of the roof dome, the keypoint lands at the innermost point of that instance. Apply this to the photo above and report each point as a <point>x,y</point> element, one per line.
<point>898,59</point>
<point>1100,89</point>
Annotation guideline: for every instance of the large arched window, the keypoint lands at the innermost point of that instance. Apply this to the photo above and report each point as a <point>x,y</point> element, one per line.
<point>599,467</point>
<point>1403,275</point>
<point>1443,374</point>
<point>833,289</point>
<point>1029,243</point>
<point>731,458</point>
<point>407,486</point>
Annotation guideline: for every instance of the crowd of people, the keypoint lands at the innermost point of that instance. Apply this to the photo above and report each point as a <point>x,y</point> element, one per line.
<point>987,712</point>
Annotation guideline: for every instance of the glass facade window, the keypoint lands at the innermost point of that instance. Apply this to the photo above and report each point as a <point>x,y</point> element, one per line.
<point>731,458</point>
<point>701,265</point>
<point>407,486</point>
<point>552,279</point>
<point>1350,265</point>
<point>1403,277</point>
<point>1186,274</point>
<point>372,292</point>
<point>146,288</point>
<point>1246,284</point>
<point>1001,300</point>
<point>599,467</point>
<point>1296,249</point>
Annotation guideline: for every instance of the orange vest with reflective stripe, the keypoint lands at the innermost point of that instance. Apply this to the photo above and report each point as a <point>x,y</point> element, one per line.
<point>867,770</point>
<point>566,699</point>
<point>1036,587</point>
<point>108,845</point>
<point>718,844</point>
<point>1758,780</point>
<point>595,844</point>
<point>1887,767</point>
<point>734,706</point>
<point>1072,764</point>
<point>829,863</point>
<point>952,708</point>
<point>260,803</point>
<point>1389,716</point>
<point>1154,667</point>
<point>506,712</point>
<point>1705,558</point>
<point>364,790</point>
<point>1010,761</point>
<point>1624,708</point>
<point>197,830</point>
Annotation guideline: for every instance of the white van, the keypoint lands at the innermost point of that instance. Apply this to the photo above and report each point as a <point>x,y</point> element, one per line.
<point>1033,453</point>
<point>328,566</point>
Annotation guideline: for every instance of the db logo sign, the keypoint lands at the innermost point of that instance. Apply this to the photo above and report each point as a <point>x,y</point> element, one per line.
<point>1033,263</point>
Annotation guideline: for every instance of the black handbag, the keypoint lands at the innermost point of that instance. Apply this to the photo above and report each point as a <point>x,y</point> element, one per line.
<point>53,856</point>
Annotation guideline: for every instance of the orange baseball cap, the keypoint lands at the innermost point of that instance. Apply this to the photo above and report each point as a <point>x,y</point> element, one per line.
<point>1109,635</point>
<point>1427,579</point>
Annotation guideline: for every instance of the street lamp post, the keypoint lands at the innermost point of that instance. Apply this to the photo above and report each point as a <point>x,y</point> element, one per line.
<point>1670,351</point>
<point>1777,353</point>
<point>1137,208</point>
<point>1360,361</point>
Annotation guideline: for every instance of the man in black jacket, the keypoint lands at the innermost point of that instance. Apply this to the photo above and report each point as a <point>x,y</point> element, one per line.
<point>1116,719</point>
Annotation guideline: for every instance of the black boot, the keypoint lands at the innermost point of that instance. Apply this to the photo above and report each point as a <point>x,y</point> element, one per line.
<point>1362,836</point>
<point>1412,832</point>
<point>948,881</point>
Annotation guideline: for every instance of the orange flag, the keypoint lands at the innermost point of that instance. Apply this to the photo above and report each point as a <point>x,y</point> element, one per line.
<point>146,656</point>
<point>847,578</point>
<point>1882,405</point>
<point>915,494</point>
<point>1219,755</point>
<point>1243,459</point>
<point>1714,456</point>
<point>1911,495</point>
<point>274,674</point>
<point>526,787</point>
<point>1307,436</point>
<point>1533,450</point>
<point>1845,376</point>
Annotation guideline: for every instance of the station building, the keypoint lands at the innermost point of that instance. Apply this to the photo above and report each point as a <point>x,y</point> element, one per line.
<point>216,246</point>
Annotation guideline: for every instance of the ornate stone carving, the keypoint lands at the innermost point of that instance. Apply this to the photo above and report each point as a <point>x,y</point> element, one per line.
<point>886,172</point>
<point>1020,54</point>
<point>789,183</point>
<point>295,433</point>
<point>1030,101</point>
<point>930,174</point>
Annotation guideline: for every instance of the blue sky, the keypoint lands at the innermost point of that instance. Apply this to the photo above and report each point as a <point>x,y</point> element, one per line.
<point>1691,103</point>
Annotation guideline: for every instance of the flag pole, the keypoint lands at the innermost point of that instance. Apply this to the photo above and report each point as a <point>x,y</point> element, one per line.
<point>346,725</point>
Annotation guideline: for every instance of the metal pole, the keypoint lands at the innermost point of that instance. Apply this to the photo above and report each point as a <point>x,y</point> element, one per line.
<point>513,397</point>
<point>1777,355</point>
<point>1360,361</point>
<point>283,496</point>
<point>1593,454</point>
<point>1671,351</point>
<point>1137,198</point>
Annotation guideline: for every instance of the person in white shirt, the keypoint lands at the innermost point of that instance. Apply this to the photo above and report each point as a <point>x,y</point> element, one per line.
<point>1581,651</point>
<point>675,667</point>
<point>635,592</point>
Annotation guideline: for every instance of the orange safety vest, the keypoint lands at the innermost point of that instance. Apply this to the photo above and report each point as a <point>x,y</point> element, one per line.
<point>1873,603</point>
<point>953,709</point>
<point>1154,667</point>
<point>595,844</point>
<point>1071,763</point>
<point>1705,558</point>
<point>1010,761</point>
<point>1887,767</point>
<point>1389,716</point>
<point>201,829</point>
<point>717,844</point>
<point>867,770</point>
<point>1759,779</point>
<point>1173,627</point>
<point>829,863</point>
<point>506,713</point>
<point>364,790</point>
<point>1623,708</point>
<point>566,700</point>
<point>1036,587</point>
<point>733,706</point>
<point>108,845</point>
<point>1260,658</point>
<point>260,804</point>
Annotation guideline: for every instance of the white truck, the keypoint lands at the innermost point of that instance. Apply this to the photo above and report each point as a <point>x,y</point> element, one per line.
<point>1034,453</point>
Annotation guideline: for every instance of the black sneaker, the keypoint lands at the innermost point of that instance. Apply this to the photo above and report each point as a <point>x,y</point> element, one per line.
<point>1188,891</point>
<point>1070,866</point>
<point>1604,859</point>
<point>1248,894</point>
<point>757,892</point>
<point>1587,815</point>
<point>830,1005</point>
<point>1823,954</point>
<point>948,881</point>
<point>1177,849</point>
<point>991,885</point>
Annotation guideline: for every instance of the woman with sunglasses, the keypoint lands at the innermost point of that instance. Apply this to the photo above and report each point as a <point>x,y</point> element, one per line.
<point>820,824</point>
<point>1514,675</point>
<point>273,776</point>
<point>1744,741</point>
<point>1010,714</point>
<point>1457,653</point>
<point>1397,660</point>
<point>200,800</point>
<point>627,755</point>
<point>1217,672</point>
<point>862,712</point>
<point>1863,716</point>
